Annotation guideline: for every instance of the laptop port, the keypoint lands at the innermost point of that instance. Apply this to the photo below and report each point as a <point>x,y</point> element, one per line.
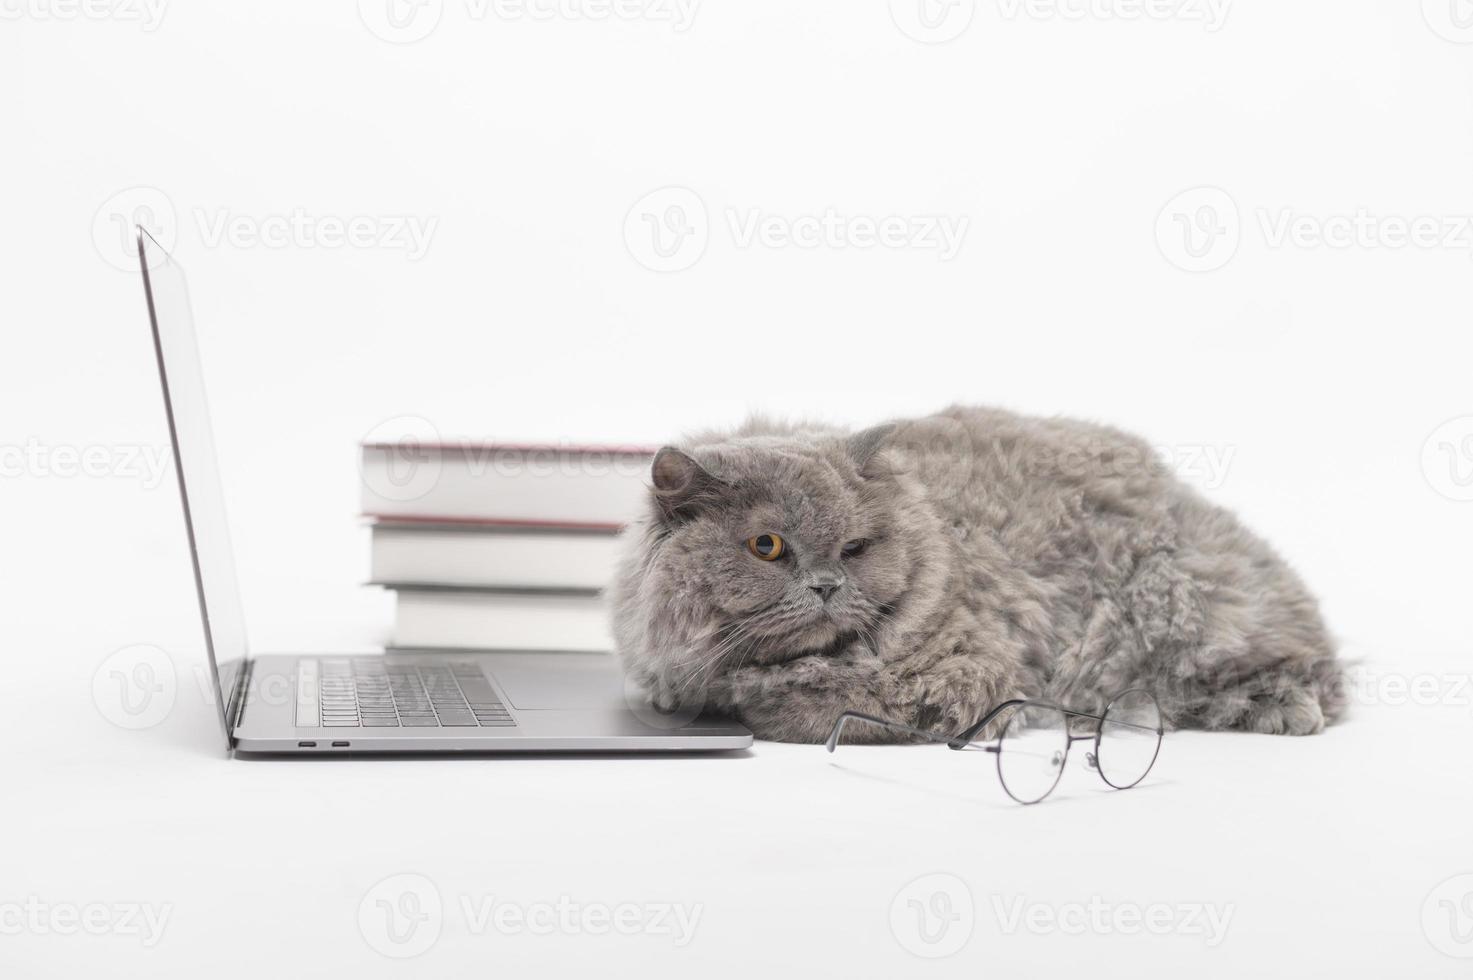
<point>306,745</point>
<point>340,745</point>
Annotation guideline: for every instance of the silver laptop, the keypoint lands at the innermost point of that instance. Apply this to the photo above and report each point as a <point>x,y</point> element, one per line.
<point>508,701</point>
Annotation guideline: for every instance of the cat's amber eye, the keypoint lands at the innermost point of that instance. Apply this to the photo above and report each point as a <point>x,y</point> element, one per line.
<point>768,547</point>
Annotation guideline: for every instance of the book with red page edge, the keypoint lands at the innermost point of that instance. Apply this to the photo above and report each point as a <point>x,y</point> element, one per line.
<point>471,445</point>
<point>511,523</point>
<point>473,483</point>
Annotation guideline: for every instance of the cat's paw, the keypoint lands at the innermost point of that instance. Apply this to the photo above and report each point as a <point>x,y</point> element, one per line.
<point>1285,713</point>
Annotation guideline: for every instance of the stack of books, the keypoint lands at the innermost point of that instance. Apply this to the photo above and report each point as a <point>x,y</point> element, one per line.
<point>500,547</point>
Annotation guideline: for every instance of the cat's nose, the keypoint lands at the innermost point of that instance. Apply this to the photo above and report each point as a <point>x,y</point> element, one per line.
<point>825,583</point>
<point>824,580</point>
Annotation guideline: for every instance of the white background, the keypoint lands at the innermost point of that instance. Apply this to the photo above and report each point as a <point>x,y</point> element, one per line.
<point>1320,388</point>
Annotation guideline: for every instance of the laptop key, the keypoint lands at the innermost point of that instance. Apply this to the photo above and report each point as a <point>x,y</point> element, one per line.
<point>367,693</point>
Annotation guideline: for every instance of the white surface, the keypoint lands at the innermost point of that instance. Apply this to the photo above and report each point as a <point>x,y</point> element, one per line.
<point>1320,850</point>
<point>1320,390</point>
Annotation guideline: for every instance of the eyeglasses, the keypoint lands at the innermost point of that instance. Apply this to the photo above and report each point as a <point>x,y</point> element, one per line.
<point>1033,743</point>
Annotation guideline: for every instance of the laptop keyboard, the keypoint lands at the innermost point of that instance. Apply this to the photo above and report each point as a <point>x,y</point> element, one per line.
<point>365,692</point>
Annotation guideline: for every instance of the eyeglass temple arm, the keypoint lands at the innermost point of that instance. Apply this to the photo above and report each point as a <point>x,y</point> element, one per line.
<point>959,741</point>
<point>964,739</point>
<point>838,729</point>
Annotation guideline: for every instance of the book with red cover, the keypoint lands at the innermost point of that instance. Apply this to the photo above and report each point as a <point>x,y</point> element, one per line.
<point>576,486</point>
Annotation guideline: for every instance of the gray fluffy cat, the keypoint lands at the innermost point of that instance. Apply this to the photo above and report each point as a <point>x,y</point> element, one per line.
<point>926,570</point>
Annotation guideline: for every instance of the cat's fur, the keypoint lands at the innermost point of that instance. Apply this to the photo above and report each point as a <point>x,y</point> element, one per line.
<point>1006,557</point>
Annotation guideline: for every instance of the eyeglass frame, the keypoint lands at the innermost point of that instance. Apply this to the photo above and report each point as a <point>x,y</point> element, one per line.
<point>966,737</point>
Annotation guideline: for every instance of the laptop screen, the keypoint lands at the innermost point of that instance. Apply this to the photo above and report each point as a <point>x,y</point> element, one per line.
<point>194,462</point>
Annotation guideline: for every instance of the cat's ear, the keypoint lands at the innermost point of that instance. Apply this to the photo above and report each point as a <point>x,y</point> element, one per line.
<point>863,446</point>
<point>681,484</point>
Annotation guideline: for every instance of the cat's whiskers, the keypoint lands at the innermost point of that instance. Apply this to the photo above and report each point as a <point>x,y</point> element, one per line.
<point>868,635</point>
<point>736,635</point>
<point>745,655</point>
<point>717,631</point>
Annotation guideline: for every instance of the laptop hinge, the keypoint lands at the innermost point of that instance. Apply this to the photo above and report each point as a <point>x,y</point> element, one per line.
<point>236,706</point>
